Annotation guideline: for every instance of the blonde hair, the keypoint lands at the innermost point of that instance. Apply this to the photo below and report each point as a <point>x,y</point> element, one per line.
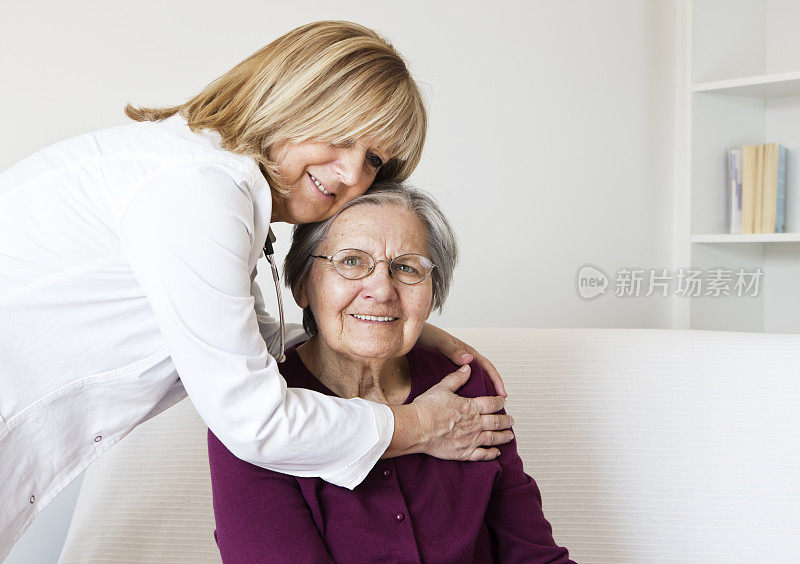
<point>329,81</point>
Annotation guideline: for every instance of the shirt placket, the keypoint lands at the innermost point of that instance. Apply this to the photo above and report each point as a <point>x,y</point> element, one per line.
<point>397,514</point>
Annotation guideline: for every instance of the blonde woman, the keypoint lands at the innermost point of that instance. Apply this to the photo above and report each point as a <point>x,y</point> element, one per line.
<point>127,266</point>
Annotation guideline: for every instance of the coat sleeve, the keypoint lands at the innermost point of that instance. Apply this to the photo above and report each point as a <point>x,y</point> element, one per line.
<point>188,234</point>
<point>520,532</point>
<point>260,515</point>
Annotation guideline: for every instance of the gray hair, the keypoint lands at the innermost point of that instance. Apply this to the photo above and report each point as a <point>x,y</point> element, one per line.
<point>442,245</point>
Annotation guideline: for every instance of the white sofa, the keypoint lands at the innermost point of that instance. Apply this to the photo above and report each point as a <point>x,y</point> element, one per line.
<point>648,445</point>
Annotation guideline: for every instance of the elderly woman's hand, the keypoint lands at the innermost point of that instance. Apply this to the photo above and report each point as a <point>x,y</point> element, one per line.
<point>448,426</point>
<point>459,352</point>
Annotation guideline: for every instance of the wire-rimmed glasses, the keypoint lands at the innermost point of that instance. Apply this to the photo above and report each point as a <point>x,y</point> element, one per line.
<point>355,264</point>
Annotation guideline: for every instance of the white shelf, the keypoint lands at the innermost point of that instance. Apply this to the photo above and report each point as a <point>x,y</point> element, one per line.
<point>749,238</point>
<point>763,86</point>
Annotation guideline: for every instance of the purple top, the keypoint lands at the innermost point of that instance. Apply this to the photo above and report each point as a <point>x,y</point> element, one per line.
<point>413,508</point>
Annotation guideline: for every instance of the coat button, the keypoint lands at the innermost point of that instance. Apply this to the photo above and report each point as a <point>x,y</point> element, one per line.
<point>399,517</point>
<point>98,438</point>
<point>387,473</point>
<point>32,499</point>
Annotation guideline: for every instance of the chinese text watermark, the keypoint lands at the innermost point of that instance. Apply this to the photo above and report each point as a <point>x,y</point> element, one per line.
<point>685,282</point>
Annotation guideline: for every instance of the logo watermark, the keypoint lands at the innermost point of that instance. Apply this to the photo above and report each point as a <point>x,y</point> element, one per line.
<point>685,282</point>
<point>592,282</point>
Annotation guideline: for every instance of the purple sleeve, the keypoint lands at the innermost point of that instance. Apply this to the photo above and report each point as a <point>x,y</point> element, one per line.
<point>520,531</point>
<point>261,515</point>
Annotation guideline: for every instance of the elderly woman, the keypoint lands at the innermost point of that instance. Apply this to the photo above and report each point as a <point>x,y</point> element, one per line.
<point>367,280</point>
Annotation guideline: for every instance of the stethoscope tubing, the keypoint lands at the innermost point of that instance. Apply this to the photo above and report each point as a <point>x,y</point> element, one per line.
<point>269,252</point>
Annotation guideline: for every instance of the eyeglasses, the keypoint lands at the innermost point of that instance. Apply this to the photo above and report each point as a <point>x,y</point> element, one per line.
<point>354,264</point>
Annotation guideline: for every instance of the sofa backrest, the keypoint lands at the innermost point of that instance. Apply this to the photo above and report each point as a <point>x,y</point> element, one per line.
<point>648,446</point>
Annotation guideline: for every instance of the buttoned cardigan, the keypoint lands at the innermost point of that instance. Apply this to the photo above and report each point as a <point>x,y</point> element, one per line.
<point>409,509</point>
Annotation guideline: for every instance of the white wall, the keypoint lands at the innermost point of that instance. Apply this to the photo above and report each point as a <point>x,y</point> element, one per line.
<point>550,147</point>
<point>550,143</point>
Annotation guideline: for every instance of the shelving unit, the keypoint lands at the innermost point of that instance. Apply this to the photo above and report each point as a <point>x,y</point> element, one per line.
<point>742,86</point>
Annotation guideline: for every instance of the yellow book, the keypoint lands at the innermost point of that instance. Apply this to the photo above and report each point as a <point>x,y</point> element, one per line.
<point>770,198</point>
<point>749,171</point>
<point>758,198</point>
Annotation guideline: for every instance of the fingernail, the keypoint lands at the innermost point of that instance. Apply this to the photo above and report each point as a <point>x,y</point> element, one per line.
<point>464,368</point>
<point>465,357</point>
<point>512,421</point>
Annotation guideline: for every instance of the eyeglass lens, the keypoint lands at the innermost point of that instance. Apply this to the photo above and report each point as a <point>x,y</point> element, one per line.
<point>354,264</point>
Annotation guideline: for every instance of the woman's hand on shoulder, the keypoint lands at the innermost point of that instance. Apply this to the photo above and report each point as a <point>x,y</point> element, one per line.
<point>451,427</point>
<point>459,352</point>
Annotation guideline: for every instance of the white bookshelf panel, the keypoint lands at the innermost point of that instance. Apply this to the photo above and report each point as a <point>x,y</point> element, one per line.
<point>782,39</point>
<point>728,39</point>
<point>715,238</point>
<point>761,86</point>
<point>728,313</point>
<point>781,284</point>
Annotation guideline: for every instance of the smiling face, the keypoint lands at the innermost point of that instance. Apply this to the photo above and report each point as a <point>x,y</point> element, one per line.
<point>323,178</point>
<point>375,317</point>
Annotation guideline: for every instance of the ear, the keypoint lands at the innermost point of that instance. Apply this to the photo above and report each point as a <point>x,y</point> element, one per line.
<point>300,296</point>
<point>430,309</point>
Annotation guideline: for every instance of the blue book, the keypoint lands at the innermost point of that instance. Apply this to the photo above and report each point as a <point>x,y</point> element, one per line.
<point>773,202</point>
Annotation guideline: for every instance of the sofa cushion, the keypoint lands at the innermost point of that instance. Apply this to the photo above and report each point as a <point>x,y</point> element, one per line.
<point>648,446</point>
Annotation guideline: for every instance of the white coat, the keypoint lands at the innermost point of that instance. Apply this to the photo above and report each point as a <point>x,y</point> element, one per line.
<point>127,268</point>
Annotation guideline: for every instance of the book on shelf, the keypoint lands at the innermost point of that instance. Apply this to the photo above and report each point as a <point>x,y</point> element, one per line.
<point>748,186</point>
<point>773,216</point>
<point>780,205</point>
<point>758,197</point>
<point>734,193</point>
<point>756,189</point>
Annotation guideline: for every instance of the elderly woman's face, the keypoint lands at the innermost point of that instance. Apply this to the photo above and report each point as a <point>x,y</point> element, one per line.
<point>341,305</point>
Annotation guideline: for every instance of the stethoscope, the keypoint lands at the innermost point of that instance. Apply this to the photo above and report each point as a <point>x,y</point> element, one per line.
<point>269,252</point>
